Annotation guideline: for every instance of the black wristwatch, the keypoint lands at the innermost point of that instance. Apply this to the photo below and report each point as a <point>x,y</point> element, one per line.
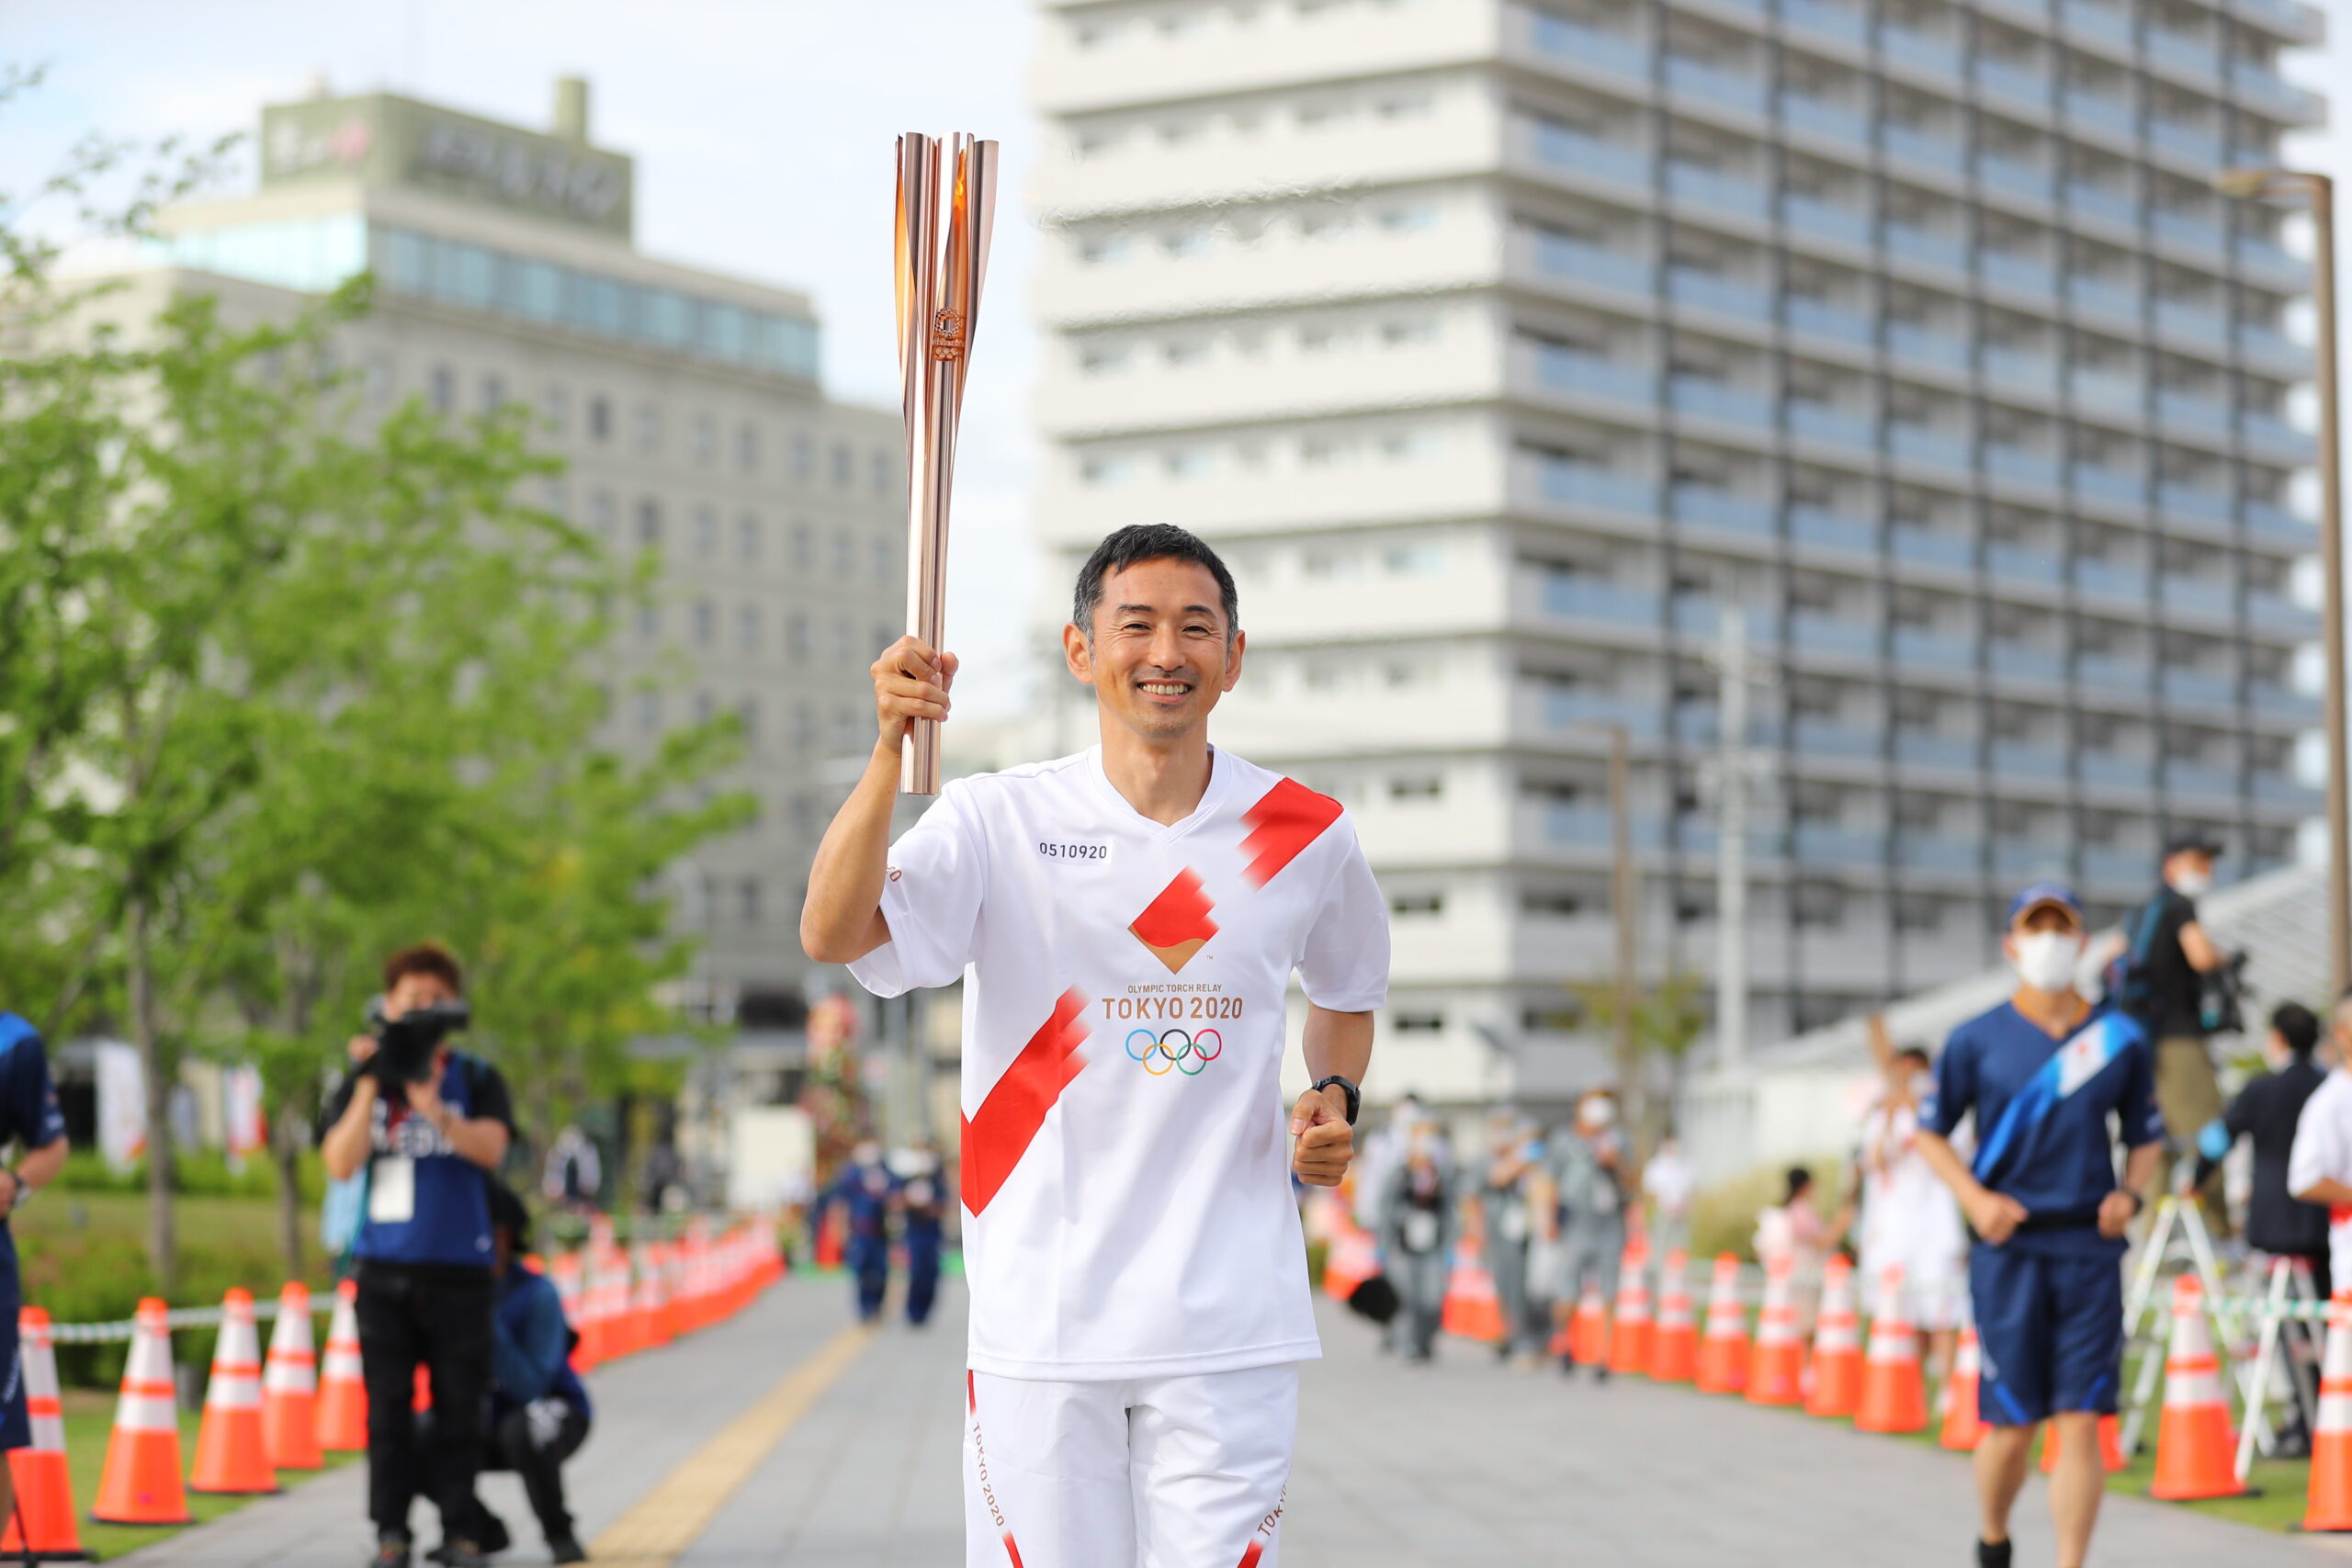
<point>2139,1204</point>
<point>1355,1097</point>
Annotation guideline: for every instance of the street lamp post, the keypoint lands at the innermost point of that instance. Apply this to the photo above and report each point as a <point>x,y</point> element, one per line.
<point>2319,190</point>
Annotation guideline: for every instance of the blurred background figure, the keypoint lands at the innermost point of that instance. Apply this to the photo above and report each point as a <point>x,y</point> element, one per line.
<point>1419,1222</point>
<point>1508,1200</point>
<point>573,1174</point>
<point>1588,1160</point>
<point>1792,1232</point>
<point>868,1192</point>
<point>1383,1153</point>
<point>2267,1109</point>
<point>1909,1218</point>
<point>1669,1183</point>
<point>922,1204</point>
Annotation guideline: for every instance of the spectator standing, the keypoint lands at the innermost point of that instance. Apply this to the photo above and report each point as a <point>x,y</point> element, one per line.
<point>2267,1111</point>
<point>1588,1159</point>
<point>1793,1234</point>
<point>1507,1212</point>
<point>2167,955</point>
<point>1419,1223</point>
<point>32,1121</point>
<point>1671,1185</point>
<point>921,1206</point>
<point>2042,1075</point>
<point>426,1255</point>
<point>866,1192</point>
<point>2319,1165</point>
<point>1909,1219</point>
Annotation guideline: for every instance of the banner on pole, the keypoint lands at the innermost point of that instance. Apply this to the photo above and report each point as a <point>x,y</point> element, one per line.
<point>122,1105</point>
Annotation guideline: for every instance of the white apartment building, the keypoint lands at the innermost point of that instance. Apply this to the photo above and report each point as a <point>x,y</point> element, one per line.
<point>1504,345</point>
<point>689,411</point>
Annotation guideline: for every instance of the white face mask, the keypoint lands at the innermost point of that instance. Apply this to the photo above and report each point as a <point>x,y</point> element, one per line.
<point>1598,1114</point>
<point>2193,884</point>
<point>2046,960</point>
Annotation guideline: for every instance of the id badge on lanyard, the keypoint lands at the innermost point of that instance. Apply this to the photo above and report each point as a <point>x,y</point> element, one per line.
<point>391,1191</point>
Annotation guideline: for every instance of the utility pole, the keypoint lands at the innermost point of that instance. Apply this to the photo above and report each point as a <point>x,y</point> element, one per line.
<point>1736,669</point>
<point>1625,896</point>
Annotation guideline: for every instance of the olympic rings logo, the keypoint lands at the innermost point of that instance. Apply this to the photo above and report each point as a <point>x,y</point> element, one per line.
<point>1179,1049</point>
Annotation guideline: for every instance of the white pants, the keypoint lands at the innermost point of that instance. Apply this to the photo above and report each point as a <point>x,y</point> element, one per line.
<point>1152,1472</point>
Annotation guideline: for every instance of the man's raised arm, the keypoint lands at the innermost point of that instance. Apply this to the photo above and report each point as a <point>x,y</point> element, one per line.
<point>842,920</point>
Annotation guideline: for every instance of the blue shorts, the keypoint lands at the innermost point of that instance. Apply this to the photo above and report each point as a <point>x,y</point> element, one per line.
<point>2050,1324</point>
<point>16,1420</point>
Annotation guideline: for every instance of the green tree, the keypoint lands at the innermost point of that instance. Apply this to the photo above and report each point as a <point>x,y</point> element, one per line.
<point>1667,1017</point>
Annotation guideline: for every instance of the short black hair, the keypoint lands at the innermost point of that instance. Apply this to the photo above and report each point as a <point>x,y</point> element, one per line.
<point>1142,542</point>
<point>1914,1053</point>
<point>2297,1025</point>
<point>507,1214</point>
<point>1799,1180</point>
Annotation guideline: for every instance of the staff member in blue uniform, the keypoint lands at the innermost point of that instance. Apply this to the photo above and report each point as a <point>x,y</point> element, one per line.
<point>868,1191</point>
<point>2042,1073</point>
<point>31,1120</point>
<point>922,1203</point>
<point>426,1258</point>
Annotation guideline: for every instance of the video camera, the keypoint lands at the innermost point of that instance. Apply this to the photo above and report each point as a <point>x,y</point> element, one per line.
<point>404,1044</point>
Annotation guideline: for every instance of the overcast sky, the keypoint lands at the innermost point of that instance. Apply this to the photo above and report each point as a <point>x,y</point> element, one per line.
<point>762,130</point>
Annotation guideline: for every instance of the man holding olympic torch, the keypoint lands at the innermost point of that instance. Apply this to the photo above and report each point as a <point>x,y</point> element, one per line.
<point>1127,922</point>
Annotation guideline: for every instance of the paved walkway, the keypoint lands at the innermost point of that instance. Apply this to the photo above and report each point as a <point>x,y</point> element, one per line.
<point>1399,1467</point>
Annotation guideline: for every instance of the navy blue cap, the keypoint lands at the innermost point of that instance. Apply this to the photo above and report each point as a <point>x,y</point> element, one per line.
<point>2041,893</point>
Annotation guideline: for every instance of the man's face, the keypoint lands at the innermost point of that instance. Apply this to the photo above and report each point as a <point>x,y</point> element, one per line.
<point>415,990</point>
<point>1158,654</point>
<point>2194,866</point>
<point>2041,918</point>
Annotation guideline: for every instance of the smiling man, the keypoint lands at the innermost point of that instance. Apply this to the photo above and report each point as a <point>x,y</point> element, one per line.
<point>1127,922</point>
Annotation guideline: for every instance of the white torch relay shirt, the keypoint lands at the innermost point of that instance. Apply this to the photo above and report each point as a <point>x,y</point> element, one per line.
<point>2323,1148</point>
<point>1126,1175</point>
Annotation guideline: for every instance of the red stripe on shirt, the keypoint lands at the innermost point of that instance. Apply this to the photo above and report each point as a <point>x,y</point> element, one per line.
<point>1250,1558</point>
<point>1180,914</point>
<point>998,1133</point>
<point>1289,817</point>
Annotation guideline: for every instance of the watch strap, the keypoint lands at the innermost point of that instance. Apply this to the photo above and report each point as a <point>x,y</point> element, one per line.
<point>1355,1098</point>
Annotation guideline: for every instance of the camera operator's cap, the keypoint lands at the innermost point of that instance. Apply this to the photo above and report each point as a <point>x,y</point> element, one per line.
<point>2196,841</point>
<point>2046,895</point>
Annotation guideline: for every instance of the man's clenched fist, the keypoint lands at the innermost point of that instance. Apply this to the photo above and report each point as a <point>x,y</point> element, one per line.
<point>1324,1143</point>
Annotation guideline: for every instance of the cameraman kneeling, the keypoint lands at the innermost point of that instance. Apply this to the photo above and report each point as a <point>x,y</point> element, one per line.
<point>428,1124</point>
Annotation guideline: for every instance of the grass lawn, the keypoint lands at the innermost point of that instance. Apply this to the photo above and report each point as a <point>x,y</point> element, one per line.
<point>89,1420</point>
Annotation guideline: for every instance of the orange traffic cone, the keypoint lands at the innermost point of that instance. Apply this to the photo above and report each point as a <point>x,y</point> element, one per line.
<point>289,1387</point>
<point>1352,1257</point>
<point>1629,1335</point>
<point>1589,1330</point>
<point>42,1530</point>
<point>2111,1445</point>
<point>342,1390</point>
<point>1895,1391</point>
<point>230,1455</point>
<point>1723,1355</point>
<point>1963,1424</point>
<point>141,1482</point>
<point>2330,1504</point>
<point>1776,1360</point>
<point>1837,1346</point>
<point>1674,1341</point>
<point>2194,1453</point>
<point>829,1247</point>
<point>1471,1309</point>
<point>652,1303</point>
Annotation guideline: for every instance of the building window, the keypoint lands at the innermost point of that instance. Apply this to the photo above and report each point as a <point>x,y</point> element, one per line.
<point>648,428</point>
<point>1417,904</point>
<point>795,636</point>
<point>649,523</point>
<point>649,621</point>
<point>747,537</point>
<point>844,552</point>
<point>803,549</point>
<point>493,393</point>
<point>555,408</point>
<point>600,420</point>
<point>747,448</point>
<point>649,712</point>
<point>884,471</point>
<point>746,713</point>
<point>750,900</point>
<point>706,622</point>
<point>379,379</point>
<point>843,463</point>
<point>442,388</point>
<point>600,514</point>
<point>885,558</point>
<point>747,627</point>
<point>704,708</point>
<point>844,639</point>
<point>705,530</point>
<point>804,736</point>
<point>804,456</point>
<point>1418,786</point>
<point>705,438</point>
<point>1416,1022</point>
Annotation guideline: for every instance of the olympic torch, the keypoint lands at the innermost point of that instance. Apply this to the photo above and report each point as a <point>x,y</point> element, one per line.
<point>939,305</point>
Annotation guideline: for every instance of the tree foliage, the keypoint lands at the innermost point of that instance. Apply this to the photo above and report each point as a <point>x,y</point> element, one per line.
<point>284,684</point>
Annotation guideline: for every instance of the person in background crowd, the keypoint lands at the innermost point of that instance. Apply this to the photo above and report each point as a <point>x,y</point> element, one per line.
<point>1588,1160</point>
<point>574,1173</point>
<point>1792,1232</point>
<point>2319,1165</point>
<point>1670,1184</point>
<point>2167,953</point>
<point>1506,1202</point>
<point>922,1199</point>
<point>2040,1075</point>
<point>868,1192</point>
<point>1909,1219</point>
<point>539,1413</point>
<point>1419,1222</point>
<point>427,1293</point>
<point>2267,1111</point>
<point>31,1119</point>
<point>1383,1151</point>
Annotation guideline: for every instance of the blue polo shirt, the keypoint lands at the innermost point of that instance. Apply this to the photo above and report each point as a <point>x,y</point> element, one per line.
<point>2041,1107</point>
<point>426,1203</point>
<point>29,1116</point>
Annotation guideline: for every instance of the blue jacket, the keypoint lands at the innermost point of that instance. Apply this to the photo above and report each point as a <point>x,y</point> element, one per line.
<point>530,1348</point>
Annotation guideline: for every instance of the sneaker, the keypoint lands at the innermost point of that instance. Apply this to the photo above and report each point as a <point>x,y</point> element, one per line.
<point>391,1552</point>
<point>1990,1554</point>
<point>460,1554</point>
<point>491,1534</point>
<point>563,1549</point>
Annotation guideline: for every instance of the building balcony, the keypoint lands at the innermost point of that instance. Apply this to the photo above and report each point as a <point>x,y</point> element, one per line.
<point>1831,531</point>
<point>2096,111</point>
<point>2215,601</point>
<point>2023,564</point>
<point>2106,581</point>
<point>2288,19</point>
<point>1592,157</point>
<point>1929,446</point>
<point>1577,262</point>
<point>1832,426</point>
<point>1809,216</point>
<point>1826,843</point>
<point>2021,465</point>
<point>2015,370</point>
<point>1805,314</point>
<point>2113,674</point>
<point>1938,853</point>
<point>1923,52</point>
<point>2277,702</point>
<point>2106,867</point>
<point>2025,274</point>
<point>2273,523</point>
<point>1700,397</point>
<point>1692,289</point>
<point>1568,482</point>
<point>2012,660</point>
<point>2187,500</point>
<point>1727,510</point>
<point>2095,482</point>
<point>1810,632</point>
<point>2204,688</point>
<point>1590,375</point>
<point>1716,84</point>
<point>2018,84</point>
<point>1704,187</point>
<point>2200,779</point>
<point>1918,648</point>
<point>2267,94</point>
<point>1925,749</point>
<point>1589,47</point>
<point>1928,546</point>
<point>1849,24</point>
<point>1828,737</point>
<point>1821,118</point>
<point>1925,246</point>
<point>1577,597</point>
<point>1913,341</point>
<point>2027,760</point>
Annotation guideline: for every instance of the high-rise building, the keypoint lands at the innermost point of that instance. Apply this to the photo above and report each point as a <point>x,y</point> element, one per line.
<point>689,412</point>
<point>1508,346</point>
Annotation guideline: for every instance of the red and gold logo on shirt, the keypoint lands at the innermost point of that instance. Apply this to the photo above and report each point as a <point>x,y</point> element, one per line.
<point>1176,925</point>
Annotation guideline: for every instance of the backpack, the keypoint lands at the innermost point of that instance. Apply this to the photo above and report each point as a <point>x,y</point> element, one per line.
<point>2130,984</point>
